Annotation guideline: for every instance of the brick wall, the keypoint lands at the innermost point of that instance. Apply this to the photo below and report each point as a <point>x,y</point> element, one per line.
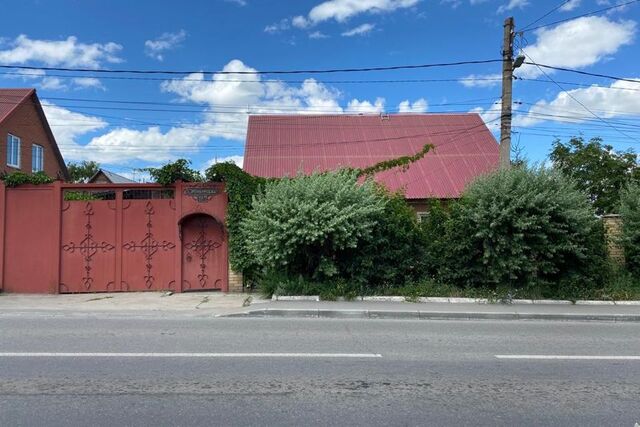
<point>25,123</point>
<point>235,281</point>
<point>613,229</point>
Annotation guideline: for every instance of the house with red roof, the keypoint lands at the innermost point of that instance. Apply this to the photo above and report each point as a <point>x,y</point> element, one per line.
<point>464,149</point>
<point>28,143</point>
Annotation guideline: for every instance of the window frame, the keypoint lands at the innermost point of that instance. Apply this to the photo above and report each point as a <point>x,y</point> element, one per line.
<point>11,138</point>
<point>37,147</point>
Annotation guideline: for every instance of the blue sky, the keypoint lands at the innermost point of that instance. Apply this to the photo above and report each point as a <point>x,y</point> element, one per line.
<point>204,117</point>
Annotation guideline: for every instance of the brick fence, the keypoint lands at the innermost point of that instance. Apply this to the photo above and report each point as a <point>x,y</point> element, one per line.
<point>613,230</point>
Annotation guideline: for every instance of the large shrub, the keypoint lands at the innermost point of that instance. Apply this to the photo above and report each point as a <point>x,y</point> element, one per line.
<point>394,254</point>
<point>630,211</point>
<point>524,228</point>
<point>300,225</point>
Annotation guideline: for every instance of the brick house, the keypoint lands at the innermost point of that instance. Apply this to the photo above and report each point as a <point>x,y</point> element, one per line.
<point>464,149</point>
<point>29,145</point>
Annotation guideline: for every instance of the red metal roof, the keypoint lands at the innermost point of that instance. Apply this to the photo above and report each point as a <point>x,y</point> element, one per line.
<point>280,146</point>
<point>10,99</point>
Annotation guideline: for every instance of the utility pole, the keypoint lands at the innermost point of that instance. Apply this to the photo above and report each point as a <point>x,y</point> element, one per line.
<point>507,88</point>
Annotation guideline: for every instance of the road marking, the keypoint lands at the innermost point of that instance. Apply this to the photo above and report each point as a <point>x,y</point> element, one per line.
<point>561,357</point>
<point>201,355</point>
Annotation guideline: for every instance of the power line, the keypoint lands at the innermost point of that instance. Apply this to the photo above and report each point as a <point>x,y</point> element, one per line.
<point>585,73</point>
<point>578,101</point>
<point>545,15</point>
<point>187,79</point>
<point>278,72</point>
<point>595,12</point>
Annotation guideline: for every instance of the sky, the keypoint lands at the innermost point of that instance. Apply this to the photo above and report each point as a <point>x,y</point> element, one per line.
<point>130,121</point>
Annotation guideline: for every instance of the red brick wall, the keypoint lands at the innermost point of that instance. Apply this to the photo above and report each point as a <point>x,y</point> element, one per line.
<point>25,123</point>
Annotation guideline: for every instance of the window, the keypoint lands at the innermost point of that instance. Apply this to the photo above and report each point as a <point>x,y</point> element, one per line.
<point>422,216</point>
<point>37,158</point>
<point>13,151</point>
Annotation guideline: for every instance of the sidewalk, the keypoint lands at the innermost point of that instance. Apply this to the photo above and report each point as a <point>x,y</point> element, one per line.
<point>210,304</point>
<point>139,303</point>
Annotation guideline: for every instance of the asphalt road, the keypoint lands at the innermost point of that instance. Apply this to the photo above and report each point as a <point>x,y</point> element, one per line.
<point>180,371</point>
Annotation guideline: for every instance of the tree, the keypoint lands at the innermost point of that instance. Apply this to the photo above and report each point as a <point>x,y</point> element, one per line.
<point>81,172</point>
<point>524,228</point>
<point>174,171</point>
<point>597,169</point>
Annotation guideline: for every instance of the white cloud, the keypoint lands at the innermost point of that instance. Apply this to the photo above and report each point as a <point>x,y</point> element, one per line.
<point>577,43</point>
<point>238,2</point>
<point>360,30</point>
<point>482,80</point>
<point>513,4</point>
<point>569,6</point>
<point>67,126</point>
<point>52,83</point>
<point>419,106</point>
<point>490,115</point>
<point>342,10</point>
<point>166,42</point>
<point>283,25</point>
<point>226,100</point>
<point>607,102</point>
<point>88,82</point>
<point>365,107</point>
<point>318,35</point>
<point>54,53</point>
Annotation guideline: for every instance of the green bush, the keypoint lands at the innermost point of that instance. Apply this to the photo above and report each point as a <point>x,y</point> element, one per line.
<point>393,255</point>
<point>433,227</point>
<point>630,212</point>
<point>524,228</point>
<point>300,225</point>
<point>19,178</point>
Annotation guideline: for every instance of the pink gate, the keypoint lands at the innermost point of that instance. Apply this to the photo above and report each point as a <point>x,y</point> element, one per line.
<point>115,238</point>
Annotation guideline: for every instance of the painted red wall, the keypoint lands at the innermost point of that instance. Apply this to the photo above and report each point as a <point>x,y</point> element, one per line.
<point>40,235</point>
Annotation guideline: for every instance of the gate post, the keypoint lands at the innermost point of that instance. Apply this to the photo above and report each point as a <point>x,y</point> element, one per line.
<point>2,227</point>
<point>119,215</point>
<point>177,194</point>
<point>57,236</point>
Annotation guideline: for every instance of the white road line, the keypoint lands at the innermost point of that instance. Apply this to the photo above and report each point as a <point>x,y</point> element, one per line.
<point>200,355</point>
<point>561,357</point>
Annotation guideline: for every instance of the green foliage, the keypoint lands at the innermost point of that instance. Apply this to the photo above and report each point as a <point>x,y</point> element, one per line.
<point>240,188</point>
<point>14,179</point>
<point>395,252</point>
<point>524,228</point>
<point>433,224</point>
<point>79,196</point>
<point>630,212</point>
<point>404,162</point>
<point>174,171</point>
<point>300,225</point>
<point>83,171</point>
<point>597,169</point>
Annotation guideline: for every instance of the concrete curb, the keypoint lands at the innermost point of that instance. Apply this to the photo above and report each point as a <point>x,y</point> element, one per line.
<point>458,300</point>
<point>431,315</point>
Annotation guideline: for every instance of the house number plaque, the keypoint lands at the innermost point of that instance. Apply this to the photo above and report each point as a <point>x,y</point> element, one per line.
<point>201,194</point>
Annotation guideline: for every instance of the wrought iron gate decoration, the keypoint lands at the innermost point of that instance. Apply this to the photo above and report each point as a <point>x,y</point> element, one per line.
<point>88,248</point>
<point>144,244</point>
<point>148,246</point>
<point>202,242</point>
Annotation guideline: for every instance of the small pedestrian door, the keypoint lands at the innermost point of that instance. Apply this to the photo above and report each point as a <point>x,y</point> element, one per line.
<point>203,254</point>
